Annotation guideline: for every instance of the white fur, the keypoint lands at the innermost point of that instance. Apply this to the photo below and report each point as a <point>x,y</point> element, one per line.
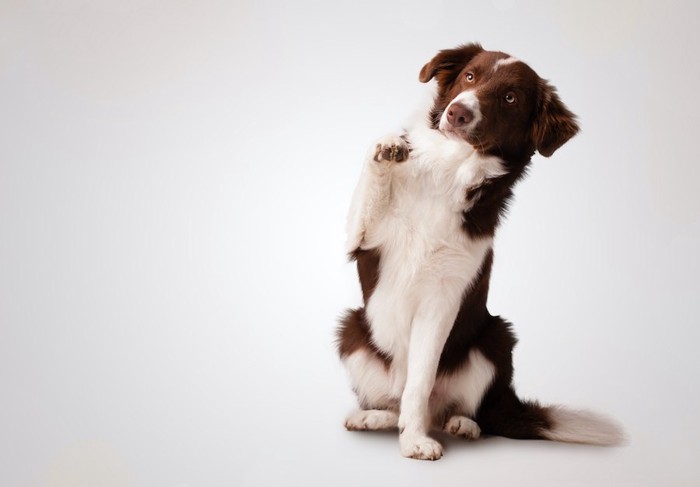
<point>467,386</point>
<point>504,62</point>
<point>369,379</point>
<point>577,426</point>
<point>372,420</point>
<point>371,197</point>
<point>420,447</point>
<point>412,211</point>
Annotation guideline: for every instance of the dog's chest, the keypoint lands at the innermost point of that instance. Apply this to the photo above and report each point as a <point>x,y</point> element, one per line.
<point>423,246</point>
<point>421,215</point>
<point>426,212</point>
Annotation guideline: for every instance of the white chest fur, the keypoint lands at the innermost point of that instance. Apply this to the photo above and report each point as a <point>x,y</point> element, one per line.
<point>424,250</point>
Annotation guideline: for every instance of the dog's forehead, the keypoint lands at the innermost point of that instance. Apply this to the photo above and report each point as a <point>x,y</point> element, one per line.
<point>489,59</point>
<point>496,64</point>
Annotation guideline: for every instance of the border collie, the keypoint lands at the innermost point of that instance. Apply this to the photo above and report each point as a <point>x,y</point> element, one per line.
<point>424,352</point>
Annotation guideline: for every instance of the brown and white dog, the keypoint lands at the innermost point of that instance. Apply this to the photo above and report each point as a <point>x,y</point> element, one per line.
<point>424,352</point>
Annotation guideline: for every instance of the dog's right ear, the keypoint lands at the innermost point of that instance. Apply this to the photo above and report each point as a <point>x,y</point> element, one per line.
<point>447,64</point>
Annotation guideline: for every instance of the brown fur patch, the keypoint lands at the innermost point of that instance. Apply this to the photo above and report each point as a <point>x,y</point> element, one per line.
<point>354,334</point>
<point>367,270</point>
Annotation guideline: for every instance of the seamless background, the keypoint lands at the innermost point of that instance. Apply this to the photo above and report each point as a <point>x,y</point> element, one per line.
<point>174,177</point>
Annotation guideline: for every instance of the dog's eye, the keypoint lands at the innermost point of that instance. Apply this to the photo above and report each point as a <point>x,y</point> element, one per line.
<point>470,77</point>
<point>510,97</point>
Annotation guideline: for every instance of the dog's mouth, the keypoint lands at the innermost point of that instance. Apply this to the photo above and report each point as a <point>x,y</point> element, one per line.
<point>470,136</point>
<point>448,129</point>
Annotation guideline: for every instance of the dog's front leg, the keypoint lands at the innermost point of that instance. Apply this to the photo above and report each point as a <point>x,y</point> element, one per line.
<point>429,331</point>
<point>371,198</point>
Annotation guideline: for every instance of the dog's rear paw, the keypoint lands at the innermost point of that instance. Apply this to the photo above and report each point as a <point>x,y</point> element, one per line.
<point>372,420</point>
<point>391,148</point>
<point>420,447</point>
<point>462,426</point>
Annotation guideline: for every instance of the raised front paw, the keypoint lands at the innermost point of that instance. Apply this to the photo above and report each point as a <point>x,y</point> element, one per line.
<point>391,148</point>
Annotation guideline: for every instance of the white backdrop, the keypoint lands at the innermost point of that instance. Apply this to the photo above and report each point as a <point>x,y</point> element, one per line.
<point>174,177</point>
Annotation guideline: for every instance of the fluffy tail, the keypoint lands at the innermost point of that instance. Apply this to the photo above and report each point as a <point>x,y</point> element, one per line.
<point>504,414</point>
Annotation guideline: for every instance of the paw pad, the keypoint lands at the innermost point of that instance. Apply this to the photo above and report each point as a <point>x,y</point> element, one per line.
<point>394,150</point>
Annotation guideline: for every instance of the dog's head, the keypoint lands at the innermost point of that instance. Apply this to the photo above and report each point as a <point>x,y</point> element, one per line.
<point>497,103</point>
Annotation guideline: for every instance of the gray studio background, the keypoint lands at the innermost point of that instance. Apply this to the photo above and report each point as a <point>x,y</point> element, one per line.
<point>174,178</point>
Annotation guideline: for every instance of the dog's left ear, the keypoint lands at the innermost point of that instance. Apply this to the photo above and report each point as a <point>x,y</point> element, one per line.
<point>554,123</point>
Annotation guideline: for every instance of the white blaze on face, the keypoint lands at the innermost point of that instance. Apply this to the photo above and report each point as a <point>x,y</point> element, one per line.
<point>469,100</point>
<point>504,62</point>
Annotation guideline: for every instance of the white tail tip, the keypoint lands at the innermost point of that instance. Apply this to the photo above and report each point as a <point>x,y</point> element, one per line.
<point>577,426</point>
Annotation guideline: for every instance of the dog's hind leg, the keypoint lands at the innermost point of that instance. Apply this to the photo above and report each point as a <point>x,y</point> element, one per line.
<point>464,389</point>
<point>372,384</point>
<point>369,373</point>
<point>371,380</point>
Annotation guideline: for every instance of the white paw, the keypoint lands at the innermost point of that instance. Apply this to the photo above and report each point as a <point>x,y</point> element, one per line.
<point>420,447</point>
<point>391,148</point>
<point>373,419</point>
<point>462,426</point>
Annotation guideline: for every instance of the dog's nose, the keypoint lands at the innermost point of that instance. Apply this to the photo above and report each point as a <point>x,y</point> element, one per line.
<point>458,115</point>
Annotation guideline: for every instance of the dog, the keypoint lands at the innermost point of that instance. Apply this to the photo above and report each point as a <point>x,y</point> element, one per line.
<point>424,352</point>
